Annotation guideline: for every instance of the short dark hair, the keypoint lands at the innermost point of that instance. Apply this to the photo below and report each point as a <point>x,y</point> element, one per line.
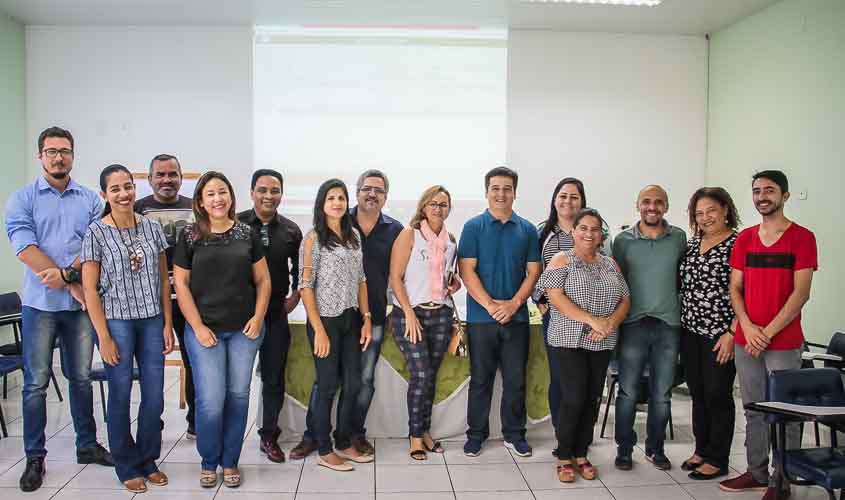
<point>500,172</point>
<point>165,157</point>
<point>373,173</point>
<point>54,132</point>
<point>720,196</point>
<point>261,172</point>
<point>775,176</point>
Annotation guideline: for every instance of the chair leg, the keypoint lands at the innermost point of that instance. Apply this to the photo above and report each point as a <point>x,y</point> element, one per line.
<point>610,394</point>
<point>103,401</point>
<point>816,430</point>
<point>671,425</point>
<point>5,383</point>
<point>3,423</point>
<point>56,385</point>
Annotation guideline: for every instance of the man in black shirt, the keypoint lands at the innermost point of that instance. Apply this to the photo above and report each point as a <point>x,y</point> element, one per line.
<point>280,238</point>
<point>174,212</point>
<point>378,232</point>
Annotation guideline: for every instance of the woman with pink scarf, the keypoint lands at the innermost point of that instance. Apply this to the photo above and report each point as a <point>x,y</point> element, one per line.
<point>422,277</point>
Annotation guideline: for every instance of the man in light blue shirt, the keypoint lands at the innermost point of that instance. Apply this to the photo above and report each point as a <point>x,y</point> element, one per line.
<point>45,222</point>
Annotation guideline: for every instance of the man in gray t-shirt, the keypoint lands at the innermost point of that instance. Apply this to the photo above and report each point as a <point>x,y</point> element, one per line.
<point>649,253</point>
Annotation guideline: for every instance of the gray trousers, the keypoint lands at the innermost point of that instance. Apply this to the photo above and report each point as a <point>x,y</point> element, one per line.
<point>753,377</point>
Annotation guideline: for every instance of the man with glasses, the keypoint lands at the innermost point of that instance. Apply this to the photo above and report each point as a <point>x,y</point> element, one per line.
<point>45,222</point>
<point>280,238</point>
<point>378,232</point>
<point>173,211</point>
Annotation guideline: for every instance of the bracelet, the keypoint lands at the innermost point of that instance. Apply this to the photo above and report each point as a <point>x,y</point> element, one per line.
<point>732,333</point>
<point>62,274</point>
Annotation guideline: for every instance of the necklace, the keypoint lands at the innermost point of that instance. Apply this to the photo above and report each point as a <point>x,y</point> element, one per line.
<point>136,256</point>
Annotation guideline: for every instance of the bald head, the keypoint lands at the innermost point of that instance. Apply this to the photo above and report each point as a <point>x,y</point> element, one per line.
<point>653,190</point>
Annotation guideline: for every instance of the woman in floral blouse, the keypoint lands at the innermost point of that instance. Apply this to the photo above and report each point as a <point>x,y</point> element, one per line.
<point>707,344</point>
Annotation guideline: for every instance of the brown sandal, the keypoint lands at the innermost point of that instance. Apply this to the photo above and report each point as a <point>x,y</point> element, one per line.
<point>587,470</point>
<point>158,478</point>
<point>566,473</point>
<point>135,485</point>
<point>232,479</point>
<point>208,478</point>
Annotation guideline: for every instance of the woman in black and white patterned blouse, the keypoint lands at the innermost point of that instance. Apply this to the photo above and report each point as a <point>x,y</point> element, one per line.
<point>707,344</point>
<point>589,299</point>
<point>334,292</point>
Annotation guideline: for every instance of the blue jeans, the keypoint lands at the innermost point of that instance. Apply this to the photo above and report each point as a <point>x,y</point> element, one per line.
<point>41,329</point>
<point>653,342</point>
<point>361,407</point>
<point>138,340</point>
<point>554,372</point>
<point>222,375</point>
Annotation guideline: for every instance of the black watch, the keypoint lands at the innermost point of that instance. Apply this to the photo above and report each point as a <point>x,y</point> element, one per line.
<point>71,275</point>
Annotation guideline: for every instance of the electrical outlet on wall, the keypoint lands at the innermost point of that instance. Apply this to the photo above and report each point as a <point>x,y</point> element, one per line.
<point>802,194</point>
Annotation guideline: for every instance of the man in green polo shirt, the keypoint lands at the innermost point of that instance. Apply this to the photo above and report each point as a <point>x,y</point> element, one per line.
<point>649,253</point>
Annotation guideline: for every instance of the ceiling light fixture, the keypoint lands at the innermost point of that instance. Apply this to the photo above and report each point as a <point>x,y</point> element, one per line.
<point>626,3</point>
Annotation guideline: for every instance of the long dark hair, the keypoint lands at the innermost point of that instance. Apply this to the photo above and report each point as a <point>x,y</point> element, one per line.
<point>326,236</point>
<point>549,225</point>
<point>104,182</point>
<point>203,222</point>
<point>720,196</point>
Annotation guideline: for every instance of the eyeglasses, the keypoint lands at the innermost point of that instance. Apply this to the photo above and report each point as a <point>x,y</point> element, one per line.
<point>52,152</point>
<point>372,189</point>
<point>434,205</point>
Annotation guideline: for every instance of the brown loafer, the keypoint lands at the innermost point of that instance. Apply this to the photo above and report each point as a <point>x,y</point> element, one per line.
<point>303,449</point>
<point>135,485</point>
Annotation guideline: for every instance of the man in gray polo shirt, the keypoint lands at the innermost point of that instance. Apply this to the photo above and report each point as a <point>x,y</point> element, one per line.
<point>648,253</point>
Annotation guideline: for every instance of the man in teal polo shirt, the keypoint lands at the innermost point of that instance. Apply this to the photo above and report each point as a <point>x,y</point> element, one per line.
<point>500,263</point>
<point>649,253</point>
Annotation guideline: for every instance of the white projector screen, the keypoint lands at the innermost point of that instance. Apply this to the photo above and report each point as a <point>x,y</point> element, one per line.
<point>425,107</point>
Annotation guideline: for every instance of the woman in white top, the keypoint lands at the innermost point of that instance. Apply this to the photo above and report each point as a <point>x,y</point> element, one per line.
<point>422,277</point>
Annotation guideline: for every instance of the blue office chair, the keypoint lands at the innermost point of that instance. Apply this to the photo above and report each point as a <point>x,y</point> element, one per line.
<point>8,364</point>
<point>823,467</point>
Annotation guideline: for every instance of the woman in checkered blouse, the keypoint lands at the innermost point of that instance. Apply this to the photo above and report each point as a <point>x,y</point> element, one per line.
<point>589,299</point>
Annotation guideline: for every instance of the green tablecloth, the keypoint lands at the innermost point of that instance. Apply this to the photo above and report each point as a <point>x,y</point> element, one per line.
<point>453,371</point>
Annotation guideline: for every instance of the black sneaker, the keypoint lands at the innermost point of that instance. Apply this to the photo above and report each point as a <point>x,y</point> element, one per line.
<point>33,475</point>
<point>659,460</point>
<point>623,462</point>
<point>95,455</point>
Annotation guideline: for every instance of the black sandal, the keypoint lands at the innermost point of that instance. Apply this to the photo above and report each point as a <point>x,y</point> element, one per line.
<point>436,447</point>
<point>690,466</point>
<point>701,476</point>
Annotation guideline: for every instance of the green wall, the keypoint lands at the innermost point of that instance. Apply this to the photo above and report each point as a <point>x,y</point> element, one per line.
<point>777,100</point>
<point>12,135</point>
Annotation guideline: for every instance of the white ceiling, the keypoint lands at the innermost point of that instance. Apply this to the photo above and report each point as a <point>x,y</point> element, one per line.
<point>693,17</point>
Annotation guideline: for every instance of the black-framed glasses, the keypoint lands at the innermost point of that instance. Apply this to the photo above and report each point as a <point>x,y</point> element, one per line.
<point>434,205</point>
<point>372,189</point>
<point>53,152</point>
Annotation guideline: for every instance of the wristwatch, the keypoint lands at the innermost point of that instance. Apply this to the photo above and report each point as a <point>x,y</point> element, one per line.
<point>70,275</point>
<point>368,315</point>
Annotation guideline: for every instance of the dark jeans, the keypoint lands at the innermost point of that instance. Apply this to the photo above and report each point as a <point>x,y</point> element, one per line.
<point>494,346</point>
<point>423,360</point>
<point>40,331</point>
<point>140,341</point>
<point>653,342</point>
<point>711,387</point>
<point>554,374</point>
<point>190,392</point>
<point>361,403</point>
<point>222,374</point>
<point>273,358</point>
<point>341,367</point>
<point>585,372</point>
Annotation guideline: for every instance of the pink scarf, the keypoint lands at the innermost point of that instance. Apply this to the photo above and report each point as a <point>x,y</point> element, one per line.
<point>437,261</point>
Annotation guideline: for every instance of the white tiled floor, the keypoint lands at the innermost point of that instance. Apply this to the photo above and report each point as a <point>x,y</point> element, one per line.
<point>496,474</point>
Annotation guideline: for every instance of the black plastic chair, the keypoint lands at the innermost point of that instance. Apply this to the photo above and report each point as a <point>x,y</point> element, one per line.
<point>8,364</point>
<point>10,314</point>
<point>817,387</point>
<point>642,396</point>
<point>98,374</point>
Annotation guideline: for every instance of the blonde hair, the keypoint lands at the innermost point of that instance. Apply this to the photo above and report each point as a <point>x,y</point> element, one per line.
<point>425,198</point>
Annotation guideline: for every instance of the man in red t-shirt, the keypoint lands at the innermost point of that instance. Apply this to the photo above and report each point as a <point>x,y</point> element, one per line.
<point>772,269</point>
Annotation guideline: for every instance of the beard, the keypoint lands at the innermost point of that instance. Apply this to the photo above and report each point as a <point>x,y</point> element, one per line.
<point>772,208</point>
<point>652,224</point>
<point>56,175</point>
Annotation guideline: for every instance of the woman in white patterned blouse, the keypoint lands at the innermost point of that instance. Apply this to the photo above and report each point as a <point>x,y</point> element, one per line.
<point>334,292</point>
<point>589,299</point>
